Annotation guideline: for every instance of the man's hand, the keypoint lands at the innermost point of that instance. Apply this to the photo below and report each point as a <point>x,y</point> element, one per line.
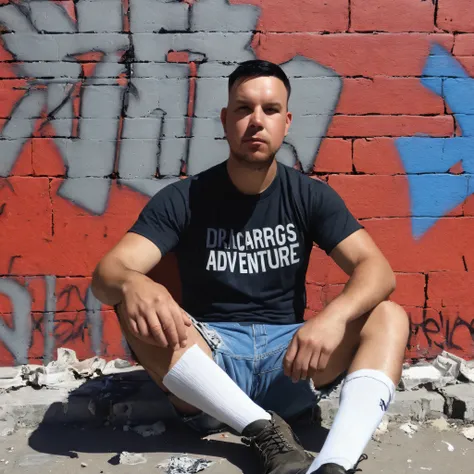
<point>312,346</point>
<point>152,314</point>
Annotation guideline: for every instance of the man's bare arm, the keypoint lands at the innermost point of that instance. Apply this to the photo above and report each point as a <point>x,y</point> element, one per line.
<point>371,277</point>
<point>133,254</point>
<point>146,307</point>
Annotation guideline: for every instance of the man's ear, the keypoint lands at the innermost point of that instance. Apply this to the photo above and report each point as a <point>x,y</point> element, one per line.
<point>224,119</point>
<point>289,119</point>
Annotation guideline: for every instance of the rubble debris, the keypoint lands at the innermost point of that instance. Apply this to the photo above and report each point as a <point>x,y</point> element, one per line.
<point>421,374</point>
<point>460,401</point>
<point>156,429</point>
<point>409,428</point>
<point>441,424</point>
<point>131,459</point>
<point>446,369</point>
<point>66,371</point>
<point>83,464</point>
<point>468,433</point>
<point>185,465</point>
<point>426,468</point>
<point>449,445</point>
<point>460,366</point>
<point>10,377</point>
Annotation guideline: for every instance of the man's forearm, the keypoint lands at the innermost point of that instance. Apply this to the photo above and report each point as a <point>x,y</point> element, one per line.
<point>108,280</point>
<point>371,282</point>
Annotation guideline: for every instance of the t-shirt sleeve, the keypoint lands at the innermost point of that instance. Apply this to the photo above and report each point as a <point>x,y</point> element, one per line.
<point>163,219</point>
<point>330,219</point>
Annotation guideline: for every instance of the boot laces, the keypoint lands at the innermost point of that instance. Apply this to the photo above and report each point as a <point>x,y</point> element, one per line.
<point>363,457</point>
<point>270,443</point>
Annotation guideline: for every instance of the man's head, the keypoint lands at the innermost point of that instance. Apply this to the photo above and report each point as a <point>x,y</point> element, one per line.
<point>256,119</point>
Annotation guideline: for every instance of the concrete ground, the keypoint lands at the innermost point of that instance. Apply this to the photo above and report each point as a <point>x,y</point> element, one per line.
<point>71,449</point>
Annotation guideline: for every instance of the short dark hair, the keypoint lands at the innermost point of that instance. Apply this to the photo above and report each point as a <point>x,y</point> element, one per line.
<point>259,68</point>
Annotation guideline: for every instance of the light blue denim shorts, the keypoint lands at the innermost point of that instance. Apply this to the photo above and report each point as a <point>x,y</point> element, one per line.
<point>252,355</point>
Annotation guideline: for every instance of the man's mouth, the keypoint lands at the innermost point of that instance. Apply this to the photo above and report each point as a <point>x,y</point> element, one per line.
<point>254,140</point>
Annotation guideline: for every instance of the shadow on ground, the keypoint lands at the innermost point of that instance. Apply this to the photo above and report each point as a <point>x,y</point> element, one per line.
<point>108,403</point>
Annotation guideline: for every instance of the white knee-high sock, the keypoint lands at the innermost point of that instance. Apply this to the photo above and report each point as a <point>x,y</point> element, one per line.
<point>199,381</point>
<point>365,397</point>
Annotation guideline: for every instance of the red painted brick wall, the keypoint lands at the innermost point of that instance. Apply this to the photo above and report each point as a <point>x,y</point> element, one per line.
<point>52,135</point>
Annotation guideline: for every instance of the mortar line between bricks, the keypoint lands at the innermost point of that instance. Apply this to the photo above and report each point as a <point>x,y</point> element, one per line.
<point>349,15</point>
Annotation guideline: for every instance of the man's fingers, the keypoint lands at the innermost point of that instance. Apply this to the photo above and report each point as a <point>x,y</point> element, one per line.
<point>169,327</point>
<point>132,324</point>
<point>300,365</point>
<point>290,357</point>
<point>156,331</point>
<point>181,329</point>
<point>142,327</point>
<point>323,361</point>
<point>186,319</point>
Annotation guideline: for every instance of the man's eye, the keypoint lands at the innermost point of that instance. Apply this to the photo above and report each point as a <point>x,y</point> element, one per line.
<point>271,110</point>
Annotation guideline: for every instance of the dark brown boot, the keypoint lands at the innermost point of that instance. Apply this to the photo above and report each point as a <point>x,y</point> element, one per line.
<point>277,446</point>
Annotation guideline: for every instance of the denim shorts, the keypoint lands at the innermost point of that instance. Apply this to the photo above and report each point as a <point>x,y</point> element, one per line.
<point>252,355</point>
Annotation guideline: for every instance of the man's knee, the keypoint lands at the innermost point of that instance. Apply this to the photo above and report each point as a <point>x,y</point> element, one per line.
<point>387,320</point>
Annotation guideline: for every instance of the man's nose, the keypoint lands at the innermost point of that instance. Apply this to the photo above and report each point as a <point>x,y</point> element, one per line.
<point>256,119</point>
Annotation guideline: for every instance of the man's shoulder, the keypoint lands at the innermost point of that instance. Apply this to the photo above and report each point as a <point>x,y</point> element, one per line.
<point>297,178</point>
<point>199,182</point>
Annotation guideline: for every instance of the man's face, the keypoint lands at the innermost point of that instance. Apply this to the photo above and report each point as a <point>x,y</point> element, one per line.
<point>256,119</point>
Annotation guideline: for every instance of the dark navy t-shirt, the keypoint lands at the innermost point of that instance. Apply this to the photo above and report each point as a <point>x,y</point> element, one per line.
<point>243,258</point>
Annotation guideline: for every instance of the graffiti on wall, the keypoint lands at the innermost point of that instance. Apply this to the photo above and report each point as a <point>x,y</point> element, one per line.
<point>427,161</point>
<point>142,114</point>
<point>129,92</point>
<point>135,101</point>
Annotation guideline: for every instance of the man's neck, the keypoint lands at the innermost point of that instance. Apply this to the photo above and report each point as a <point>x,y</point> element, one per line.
<point>248,179</point>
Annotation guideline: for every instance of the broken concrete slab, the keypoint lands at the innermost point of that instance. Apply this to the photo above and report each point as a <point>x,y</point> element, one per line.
<point>417,405</point>
<point>132,459</point>
<point>460,401</point>
<point>423,374</point>
<point>11,377</point>
<point>468,432</point>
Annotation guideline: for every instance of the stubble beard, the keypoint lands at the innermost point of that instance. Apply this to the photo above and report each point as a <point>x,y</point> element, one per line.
<point>251,163</point>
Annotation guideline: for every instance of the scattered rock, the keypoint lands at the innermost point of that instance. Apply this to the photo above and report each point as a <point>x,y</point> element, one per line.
<point>131,459</point>
<point>441,424</point>
<point>468,432</point>
<point>83,464</point>
<point>409,428</point>
<point>449,445</point>
<point>156,429</point>
<point>185,465</point>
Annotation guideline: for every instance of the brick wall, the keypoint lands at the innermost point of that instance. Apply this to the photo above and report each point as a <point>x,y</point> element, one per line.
<point>104,102</point>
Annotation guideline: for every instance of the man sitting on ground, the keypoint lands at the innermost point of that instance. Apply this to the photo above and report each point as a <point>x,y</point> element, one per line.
<point>237,353</point>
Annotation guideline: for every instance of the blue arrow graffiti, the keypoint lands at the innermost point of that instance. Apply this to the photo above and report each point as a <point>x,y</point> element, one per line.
<point>434,192</point>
